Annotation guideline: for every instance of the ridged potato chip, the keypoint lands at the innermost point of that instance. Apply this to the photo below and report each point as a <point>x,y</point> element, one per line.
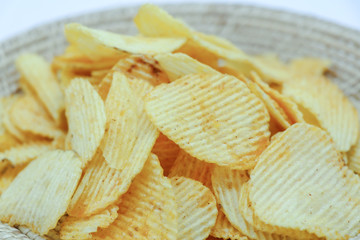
<point>227,186</point>
<point>37,73</point>
<point>329,106</point>
<point>85,112</point>
<point>177,65</point>
<point>147,210</point>
<point>29,116</point>
<point>196,208</point>
<point>40,194</point>
<point>215,118</point>
<point>294,179</point>
<point>167,152</point>
<point>354,157</point>
<point>224,230</point>
<point>8,174</point>
<point>187,166</point>
<point>101,44</point>
<point>83,228</point>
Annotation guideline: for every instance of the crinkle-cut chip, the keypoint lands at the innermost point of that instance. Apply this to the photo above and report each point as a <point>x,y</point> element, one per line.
<point>224,230</point>
<point>97,44</point>
<point>227,186</point>
<point>153,21</point>
<point>83,228</point>
<point>54,234</point>
<point>37,73</point>
<point>24,153</point>
<point>215,118</point>
<point>85,112</point>
<point>100,187</point>
<point>248,213</point>
<point>167,152</point>
<point>8,174</point>
<point>147,210</point>
<point>330,107</point>
<point>354,157</point>
<point>177,65</point>
<point>187,166</point>
<point>29,116</point>
<point>294,179</point>
<point>40,194</point>
<point>196,208</point>
<point>309,66</point>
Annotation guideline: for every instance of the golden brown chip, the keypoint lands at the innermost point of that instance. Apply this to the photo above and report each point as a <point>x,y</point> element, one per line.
<point>42,81</point>
<point>83,228</point>
<point>85,112</point>
<point>215,118</point>
<point>294,179</point>
<point>329,106</point>
<point>147,210</point>
<point>196,208</point>
<point>40,194</point>
<point>224,230</point>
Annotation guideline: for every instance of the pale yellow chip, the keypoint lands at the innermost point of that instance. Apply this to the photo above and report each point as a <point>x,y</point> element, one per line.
<point>329,106</point>
<point>177,65</point>
<point>227,186</point>
<point>40,194</point>
<point>309,66</point>
<point>101,44</point>
<point>37,73</point>
<point>8,174</point>
<point>187,166</point>
<point>215,118</point>
<point>224,230</point>
<point>24,153</point>
<point>167,152</point>
<point>354,157</point>
<point>29,116</point>
<point>85,112</point>
<point>196,208</point>
<point>147,210</point>
<point>294,179</point>
<point>83,228</point>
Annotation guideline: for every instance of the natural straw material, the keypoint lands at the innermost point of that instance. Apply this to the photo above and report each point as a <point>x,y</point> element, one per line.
<point>255,30</point>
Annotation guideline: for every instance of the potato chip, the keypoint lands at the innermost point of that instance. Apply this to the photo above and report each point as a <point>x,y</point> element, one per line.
<point>187,166</point>
<point>100,187</point>
<point>39,195</point>
<point>59,142</point>
<point>223,229</point>
<point>227,186</point>
<point>177,65</point>
<point>329,106</point>
<point>294,179</point>
<point>8,174</point>
<point>167,151</point>
<point>24,153</point>
<point>354,157</point>
<point>7,141</point>
<point>215,118</point>
<point>147,209</point>
<point>85,111</point>
<point>196,208</point>
<point>29,116</point>
<point>101,44</point>
<point>309,66</point>
<point>42,81</point>
<point>82,228</point>
<point>82,65</point>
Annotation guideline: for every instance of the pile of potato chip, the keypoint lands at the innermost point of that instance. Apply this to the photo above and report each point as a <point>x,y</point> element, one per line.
<point>175,134</point>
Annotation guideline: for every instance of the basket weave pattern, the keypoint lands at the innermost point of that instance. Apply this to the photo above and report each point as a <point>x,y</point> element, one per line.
<point>255,30</point>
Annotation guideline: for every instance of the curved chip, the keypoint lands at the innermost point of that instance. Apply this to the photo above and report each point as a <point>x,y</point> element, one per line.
<point>83,228</point>
<point>224,230</point>
<point>187,166</point>
<point>196,208</point>
<point>101,44</point>
<point>325,101</point>
<point>167,152</point>
<point>85,112</point>
<point>37,73</point>
<point>146,210</point>
<point>215,118</point>
<point>40,194</point>
<point>8,174</point>
<point>294,179</point>
<point>354,157</point>
<point>309,66</point>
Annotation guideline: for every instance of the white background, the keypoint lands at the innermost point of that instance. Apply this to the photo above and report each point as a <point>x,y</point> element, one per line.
<point>17,16</point>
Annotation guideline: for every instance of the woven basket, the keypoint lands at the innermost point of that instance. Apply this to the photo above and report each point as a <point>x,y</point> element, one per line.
<point>255,30</point>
